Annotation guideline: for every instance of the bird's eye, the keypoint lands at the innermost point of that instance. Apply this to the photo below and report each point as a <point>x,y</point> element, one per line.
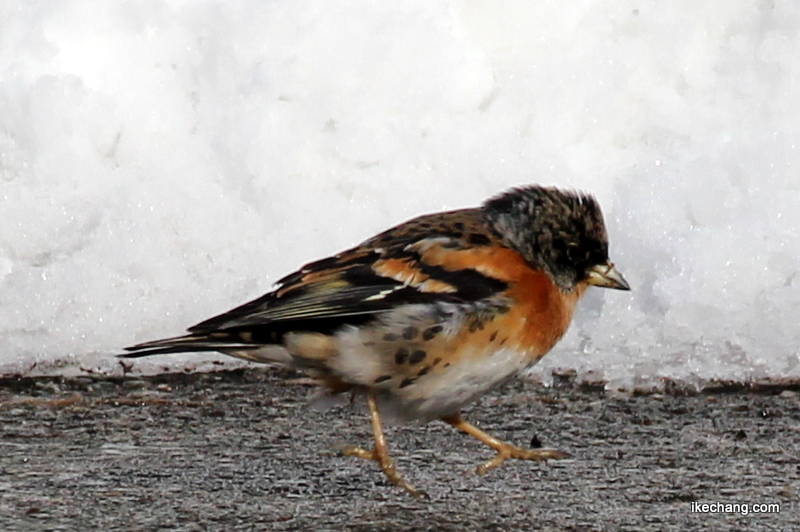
<point>574,253</point>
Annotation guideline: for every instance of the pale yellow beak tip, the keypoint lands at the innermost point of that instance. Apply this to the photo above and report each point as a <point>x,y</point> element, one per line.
<point>607,276</point>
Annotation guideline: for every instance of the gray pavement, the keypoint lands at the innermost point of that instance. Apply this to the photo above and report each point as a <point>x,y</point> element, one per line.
<point>242,450</point>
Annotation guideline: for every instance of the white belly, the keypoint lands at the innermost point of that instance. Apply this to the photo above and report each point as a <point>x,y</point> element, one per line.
<point>444,393</point>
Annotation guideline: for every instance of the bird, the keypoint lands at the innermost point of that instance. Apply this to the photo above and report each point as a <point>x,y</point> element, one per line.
<point>428,316</point>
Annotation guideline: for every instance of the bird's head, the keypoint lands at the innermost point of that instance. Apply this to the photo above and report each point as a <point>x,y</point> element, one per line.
<point>559,231</point>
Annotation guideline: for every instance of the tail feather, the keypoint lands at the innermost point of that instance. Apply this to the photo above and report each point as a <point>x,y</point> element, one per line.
<point>190,343</point>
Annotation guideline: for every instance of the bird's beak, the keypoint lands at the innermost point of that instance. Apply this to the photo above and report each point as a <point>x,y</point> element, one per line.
<point>607,276</point>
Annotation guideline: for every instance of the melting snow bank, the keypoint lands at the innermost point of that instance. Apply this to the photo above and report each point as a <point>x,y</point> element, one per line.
<point>164,161</point>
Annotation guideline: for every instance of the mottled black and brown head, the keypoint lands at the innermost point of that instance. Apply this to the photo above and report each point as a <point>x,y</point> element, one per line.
<point>559,231</point>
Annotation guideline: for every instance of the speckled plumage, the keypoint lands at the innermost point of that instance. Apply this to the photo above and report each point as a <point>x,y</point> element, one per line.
<point>429,315</point>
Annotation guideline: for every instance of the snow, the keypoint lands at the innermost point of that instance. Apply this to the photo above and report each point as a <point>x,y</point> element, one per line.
<point>163,161</point>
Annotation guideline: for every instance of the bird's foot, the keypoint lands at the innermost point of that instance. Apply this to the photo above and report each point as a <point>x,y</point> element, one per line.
<point>506,451</point>
<point>387,466</point>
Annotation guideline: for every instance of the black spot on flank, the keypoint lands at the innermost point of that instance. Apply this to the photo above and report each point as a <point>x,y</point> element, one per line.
<point>437,360</point>
<point>410,332</point>
<point>446,364</point>
<point>423,371</point>
<point>389,337</point>
<point>401,356</point>
<point>430,332</point>
<point>407,382</point>
<point>504,340</point>
<point>459,225</point>
<point>493,337</point>
<point>456,234</point>
<point>477,239</point>
<point>382,378</point>
<point>417,356</point>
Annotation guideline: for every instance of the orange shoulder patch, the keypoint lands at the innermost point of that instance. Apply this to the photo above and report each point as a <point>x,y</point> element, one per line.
<point>497,262</point>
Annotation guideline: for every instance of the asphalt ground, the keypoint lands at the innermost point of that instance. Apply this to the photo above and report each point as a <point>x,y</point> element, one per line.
<point>242,450</point>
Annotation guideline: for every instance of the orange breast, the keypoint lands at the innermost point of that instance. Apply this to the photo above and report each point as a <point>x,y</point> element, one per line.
<point>541,312</point>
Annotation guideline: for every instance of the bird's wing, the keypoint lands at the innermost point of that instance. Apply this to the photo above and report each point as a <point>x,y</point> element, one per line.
<point>408,264</point>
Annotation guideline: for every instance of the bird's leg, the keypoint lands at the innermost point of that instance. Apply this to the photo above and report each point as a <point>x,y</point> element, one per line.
<point>381,451</point>
<point>504,450</point>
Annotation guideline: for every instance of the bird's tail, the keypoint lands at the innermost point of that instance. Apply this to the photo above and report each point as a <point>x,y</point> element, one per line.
<point>217,341</point>
<point>239,344</point>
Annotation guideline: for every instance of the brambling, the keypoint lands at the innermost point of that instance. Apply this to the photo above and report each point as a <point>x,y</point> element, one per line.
<point>430,315</point>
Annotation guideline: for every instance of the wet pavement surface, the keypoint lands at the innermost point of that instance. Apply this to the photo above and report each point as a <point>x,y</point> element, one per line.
<point>242,450</point>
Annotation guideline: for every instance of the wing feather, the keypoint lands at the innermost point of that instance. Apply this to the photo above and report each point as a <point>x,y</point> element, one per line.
<point>392,269</point>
